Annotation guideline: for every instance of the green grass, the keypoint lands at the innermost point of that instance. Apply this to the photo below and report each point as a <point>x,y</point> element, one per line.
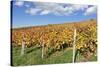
<point>32,56</point>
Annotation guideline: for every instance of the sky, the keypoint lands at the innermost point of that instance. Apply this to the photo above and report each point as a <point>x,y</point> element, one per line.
<point>30,13</point>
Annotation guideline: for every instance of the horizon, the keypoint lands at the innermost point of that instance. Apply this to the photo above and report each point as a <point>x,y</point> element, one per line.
<point>53,24</point>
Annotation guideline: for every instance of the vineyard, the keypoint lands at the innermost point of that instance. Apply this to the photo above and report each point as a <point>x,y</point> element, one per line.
<point>57,39</point>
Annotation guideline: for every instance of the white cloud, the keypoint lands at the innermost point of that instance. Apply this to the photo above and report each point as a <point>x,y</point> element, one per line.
<point>58,9</point>
<point>19,3</point>
<point>33,11</point>
<point>45,12</point>
<point>79,7</point>
<point>42,8</point>
<point>54,8</point>
<point>91,10</point>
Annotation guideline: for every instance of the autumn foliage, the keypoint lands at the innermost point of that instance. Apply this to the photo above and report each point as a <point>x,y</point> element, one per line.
<point>59,36</point>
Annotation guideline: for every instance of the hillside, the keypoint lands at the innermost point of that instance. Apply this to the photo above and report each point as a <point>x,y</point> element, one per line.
<point>55,39</point>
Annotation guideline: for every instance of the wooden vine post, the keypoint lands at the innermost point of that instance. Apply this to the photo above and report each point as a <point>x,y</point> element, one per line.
<point>42,51</point>
<point>22,48</point>
<point>23,45</point>
<point>42,46</point>
<point>74,44</point>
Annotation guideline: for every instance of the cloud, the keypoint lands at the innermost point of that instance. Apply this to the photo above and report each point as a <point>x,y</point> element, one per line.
<point>79,7</point>
<point>91,10</point>
<point>45,12</point>
<point>19,3</point>
<point>54,8</point>
<point>33,11</point>
<point>58,9</point>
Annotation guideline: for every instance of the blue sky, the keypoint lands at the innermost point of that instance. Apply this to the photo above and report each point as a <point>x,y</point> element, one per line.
<point>38,13</point>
